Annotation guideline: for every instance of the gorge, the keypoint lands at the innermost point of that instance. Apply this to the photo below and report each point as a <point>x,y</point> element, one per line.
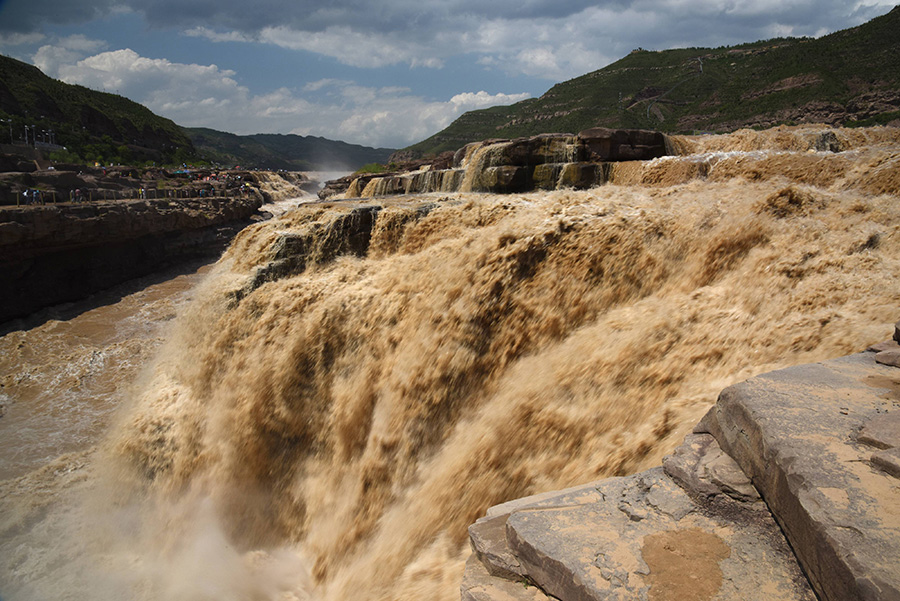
<point>357,381</point>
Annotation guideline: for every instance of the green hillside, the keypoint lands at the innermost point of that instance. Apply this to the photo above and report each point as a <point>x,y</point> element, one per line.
<point>91,125</point>
<point>289,152</point>
<point>97,126</point>
<point>848,77</point>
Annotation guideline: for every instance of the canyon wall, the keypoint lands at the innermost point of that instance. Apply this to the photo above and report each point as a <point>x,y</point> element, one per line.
<point>53,254</point>
<point>544,162</point>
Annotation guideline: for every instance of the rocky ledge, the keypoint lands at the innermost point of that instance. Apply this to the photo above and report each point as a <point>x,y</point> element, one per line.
<point>544,162</point>
<point>58,253</point>
<point>788,489</point>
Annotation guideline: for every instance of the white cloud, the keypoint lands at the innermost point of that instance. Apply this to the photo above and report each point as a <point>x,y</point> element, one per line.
<point>355,48</point>
<point>167,88</point>
<point>400,118</point>
<point>20,39</point>
<point>219,36</point>
<point>468,101</point>
<point>195,95</point>
<point>50,58</point>
<point>315,86</point>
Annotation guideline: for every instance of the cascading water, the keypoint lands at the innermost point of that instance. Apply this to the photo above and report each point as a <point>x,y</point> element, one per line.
<point>330,432</point>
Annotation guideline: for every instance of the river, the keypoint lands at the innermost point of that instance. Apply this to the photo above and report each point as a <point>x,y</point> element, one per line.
<point>330,432</point>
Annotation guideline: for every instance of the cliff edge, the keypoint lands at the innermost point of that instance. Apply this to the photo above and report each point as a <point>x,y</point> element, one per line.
<point>789,488</point>
<point>60,253</point>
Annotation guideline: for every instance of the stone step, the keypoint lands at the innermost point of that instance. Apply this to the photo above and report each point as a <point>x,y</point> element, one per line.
<point>644,536</point>
<point>479,585</point>
<point>695,529</point>
<point>488,540</point>
<point>818,443</point>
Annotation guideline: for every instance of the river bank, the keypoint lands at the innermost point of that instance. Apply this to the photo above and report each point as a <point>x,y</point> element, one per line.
<point>55,253</point>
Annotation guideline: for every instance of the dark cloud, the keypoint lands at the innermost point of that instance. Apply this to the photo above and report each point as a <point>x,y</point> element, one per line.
<point>701,20</point>
<point>525,36</point>
<point>24,16</point>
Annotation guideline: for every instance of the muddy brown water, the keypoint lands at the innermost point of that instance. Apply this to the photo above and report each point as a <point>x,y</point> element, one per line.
<point>67,369</point>
<point>331,436</point>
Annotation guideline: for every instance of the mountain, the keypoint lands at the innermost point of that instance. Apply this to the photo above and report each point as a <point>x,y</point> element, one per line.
<point>277,151</point>
<point>91,125</point>
<point>850,77</point>
<point>98,126</point>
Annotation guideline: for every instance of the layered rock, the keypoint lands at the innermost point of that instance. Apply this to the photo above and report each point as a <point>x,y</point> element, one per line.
<point>787,489</point>
<point>53,254</point>
<point>59,184</point>
<point>546,162</point>
<point>315,243</point>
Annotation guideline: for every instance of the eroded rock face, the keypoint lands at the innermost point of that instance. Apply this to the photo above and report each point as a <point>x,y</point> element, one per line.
<point>602,144</point>
<point>54,254</point>
<point>544,162</point>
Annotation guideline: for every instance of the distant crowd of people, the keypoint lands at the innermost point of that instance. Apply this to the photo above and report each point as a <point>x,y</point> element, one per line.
<point>33,197</point>
<point>234,186</point>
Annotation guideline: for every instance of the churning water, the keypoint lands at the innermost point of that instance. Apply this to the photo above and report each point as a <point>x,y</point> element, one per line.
<point>329,434</point>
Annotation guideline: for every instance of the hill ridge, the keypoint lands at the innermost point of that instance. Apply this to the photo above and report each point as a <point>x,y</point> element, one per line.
<point>283,151</point>
<point>76,124</point>
<point>849,77</point>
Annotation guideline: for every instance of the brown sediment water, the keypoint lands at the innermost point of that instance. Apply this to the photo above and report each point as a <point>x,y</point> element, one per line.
<point>64,376</point>
<point>331,434</point>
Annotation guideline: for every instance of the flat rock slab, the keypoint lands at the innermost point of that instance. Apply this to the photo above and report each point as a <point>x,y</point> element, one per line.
<point>881,431</point>
<point>488,540</point>
<point>797,433</point>
<point>479,585</point>
<point>643,537</point>
<point>888,461</point>
<point>514,504</point>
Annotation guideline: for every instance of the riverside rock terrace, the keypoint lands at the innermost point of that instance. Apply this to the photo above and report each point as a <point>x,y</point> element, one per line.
<point>544,162</point>
<point>46,184</point>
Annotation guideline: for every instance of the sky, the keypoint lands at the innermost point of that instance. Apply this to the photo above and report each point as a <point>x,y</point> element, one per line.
<point>383,74</point>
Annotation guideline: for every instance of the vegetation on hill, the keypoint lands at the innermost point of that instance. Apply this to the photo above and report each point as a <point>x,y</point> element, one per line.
<point>851,77</point>
<point>289,152</point>
<point>74,124</point>
<point>91,125</point>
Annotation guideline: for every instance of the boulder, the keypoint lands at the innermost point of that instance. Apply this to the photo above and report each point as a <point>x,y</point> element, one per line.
<point>602,144</point>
